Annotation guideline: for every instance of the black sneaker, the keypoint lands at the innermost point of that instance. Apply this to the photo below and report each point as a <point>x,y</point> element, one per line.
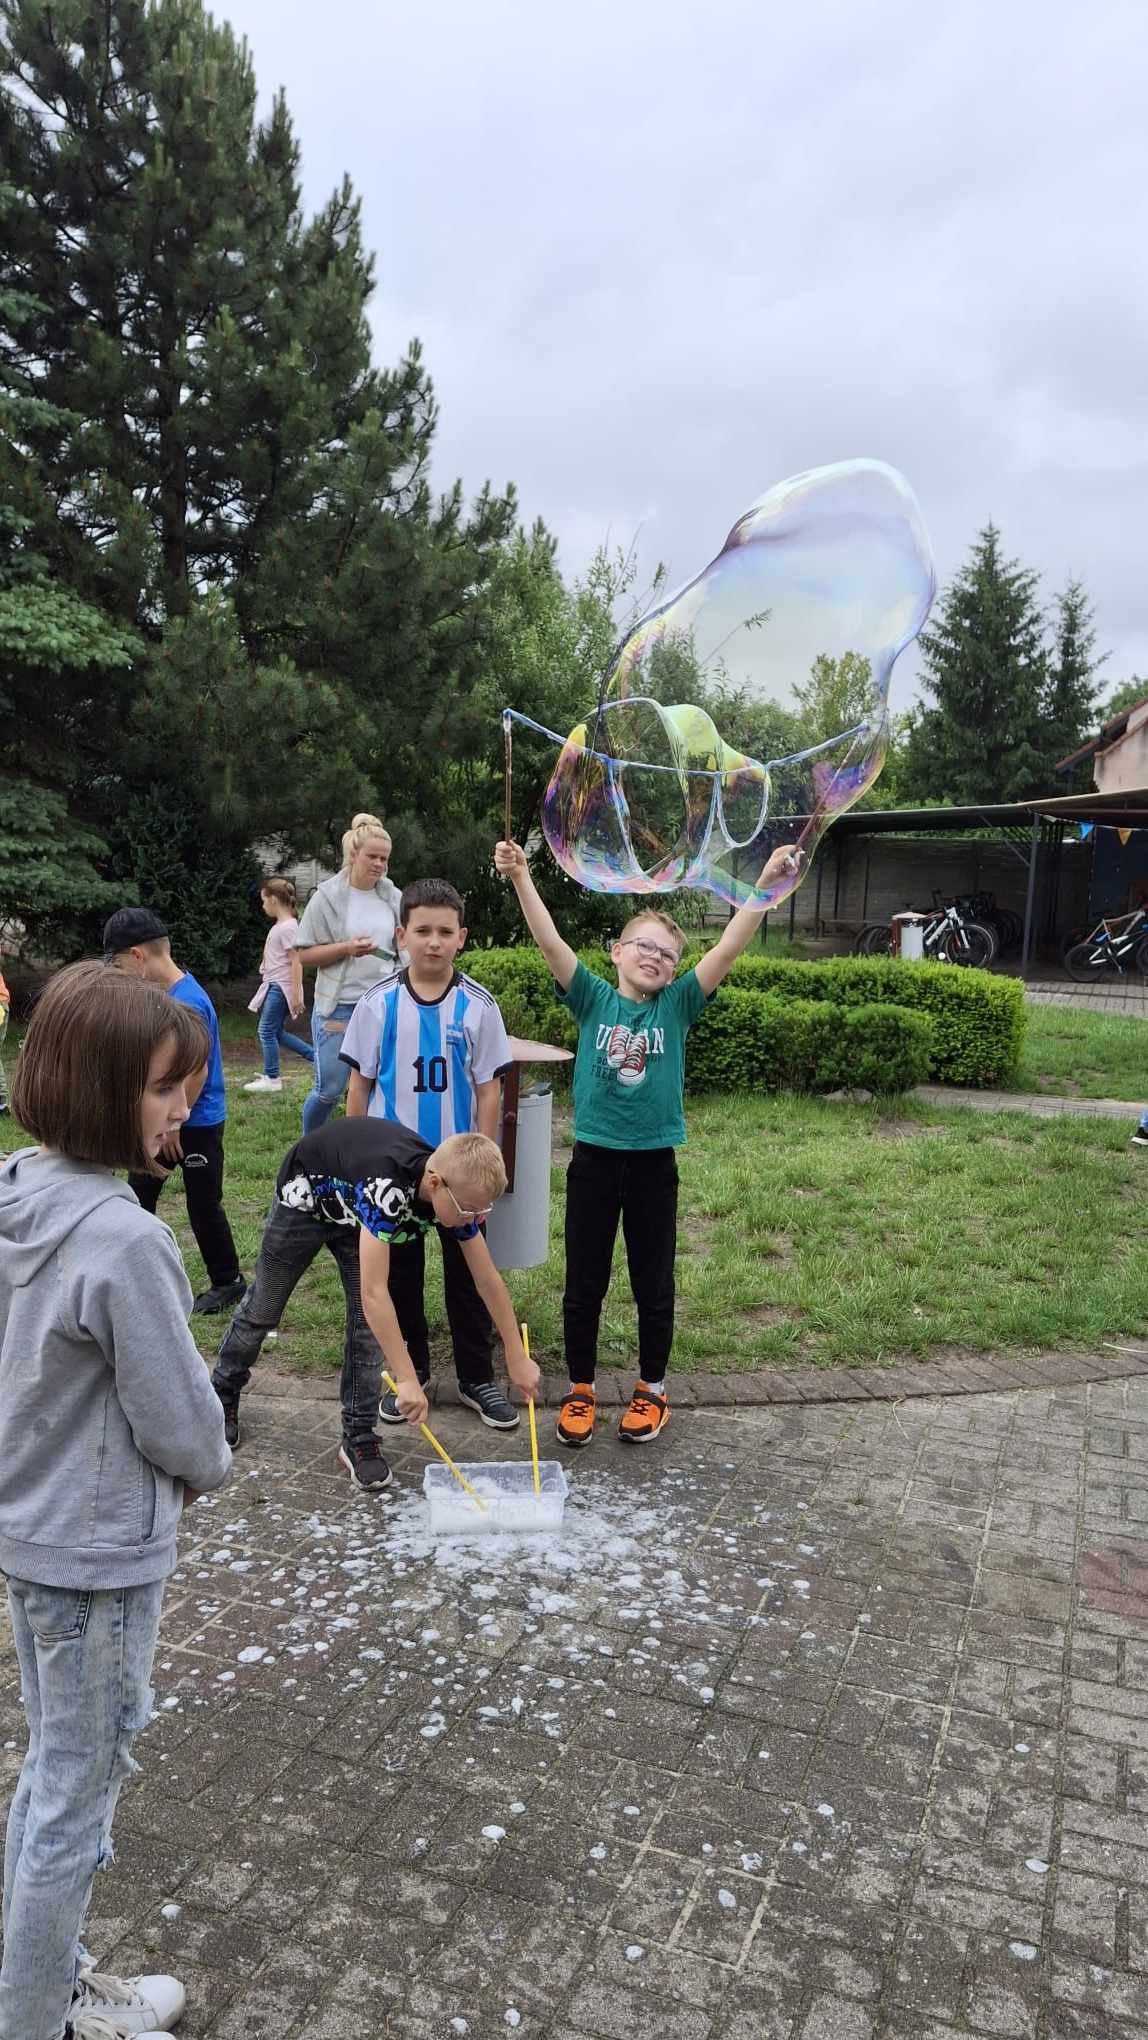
<point>1140,1137</point>
<point>487,1398</point>
<point>219,1298</point>
<point>230,1417</point>
<point>389,1411</point>
<point>365,1463</point>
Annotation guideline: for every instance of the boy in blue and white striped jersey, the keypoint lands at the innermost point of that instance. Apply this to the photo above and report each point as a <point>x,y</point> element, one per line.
<point>426,1048</point>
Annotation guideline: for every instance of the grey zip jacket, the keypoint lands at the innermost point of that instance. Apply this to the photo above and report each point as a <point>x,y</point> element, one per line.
<point>106,1408</point>
<point>324,919</point>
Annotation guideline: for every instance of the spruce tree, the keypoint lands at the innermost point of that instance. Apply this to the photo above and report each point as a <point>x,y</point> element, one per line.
<point>234,485</point>
<point>1070,710</point>
<point>986,669</point>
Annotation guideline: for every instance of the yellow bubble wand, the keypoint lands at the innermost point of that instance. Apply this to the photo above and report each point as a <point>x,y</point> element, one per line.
<point>533,1424</point>
<point>443,1454</point>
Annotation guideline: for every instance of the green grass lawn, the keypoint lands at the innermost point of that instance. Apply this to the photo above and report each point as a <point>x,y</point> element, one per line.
<point>1084,1055</point>
<point>815,1232</point>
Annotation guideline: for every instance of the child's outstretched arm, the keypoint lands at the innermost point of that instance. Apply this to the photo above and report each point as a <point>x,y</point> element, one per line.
<point>718,961</point>
<point>522,1370</point>
<point>380,1313</point>
<point>510,862</point>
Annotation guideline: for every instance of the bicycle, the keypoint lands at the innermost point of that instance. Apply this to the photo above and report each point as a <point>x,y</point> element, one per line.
<point>1007,927</point>
<point>948,937</point>
<point>1116,944</point>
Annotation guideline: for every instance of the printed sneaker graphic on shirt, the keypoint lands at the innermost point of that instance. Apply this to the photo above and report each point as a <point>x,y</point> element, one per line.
<point>617,1042</point>
<point>627,1053</point>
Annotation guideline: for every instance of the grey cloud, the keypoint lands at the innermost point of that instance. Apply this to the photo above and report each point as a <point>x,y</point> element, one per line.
<point>662,256</point>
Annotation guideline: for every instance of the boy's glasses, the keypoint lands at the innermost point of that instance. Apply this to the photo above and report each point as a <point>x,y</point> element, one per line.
<point>483,1211</point>
<point>652,951</point>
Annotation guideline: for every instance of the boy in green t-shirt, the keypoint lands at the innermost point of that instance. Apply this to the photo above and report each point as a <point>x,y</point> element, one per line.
<point>629,1078</point>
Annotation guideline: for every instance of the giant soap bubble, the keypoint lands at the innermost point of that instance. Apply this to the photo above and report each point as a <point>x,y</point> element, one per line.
<point>646,796</point>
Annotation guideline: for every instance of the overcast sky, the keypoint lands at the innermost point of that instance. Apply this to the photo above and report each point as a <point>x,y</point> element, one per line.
<point>661,256</point>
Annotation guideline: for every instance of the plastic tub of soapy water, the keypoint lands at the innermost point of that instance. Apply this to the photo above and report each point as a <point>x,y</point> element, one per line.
<point>506,1487</point>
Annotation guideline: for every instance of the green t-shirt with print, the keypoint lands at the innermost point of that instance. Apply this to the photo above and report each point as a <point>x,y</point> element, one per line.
<point>630,1069</point>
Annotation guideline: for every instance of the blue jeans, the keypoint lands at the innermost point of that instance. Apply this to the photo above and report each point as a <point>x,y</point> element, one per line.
<point>273,1014</point>
<point>331,1075</point>
<point>85,1674</point>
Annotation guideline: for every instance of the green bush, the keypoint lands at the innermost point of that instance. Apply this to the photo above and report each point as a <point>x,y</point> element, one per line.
<point>978,1020</point>
<point>747,1039</point>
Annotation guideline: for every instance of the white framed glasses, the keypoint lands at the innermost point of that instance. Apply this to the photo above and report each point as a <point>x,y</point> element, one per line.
<point>484,1210</point>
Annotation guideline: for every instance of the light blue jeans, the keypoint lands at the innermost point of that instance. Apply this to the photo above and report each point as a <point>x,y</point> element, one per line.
<point>331,1075</point>
<point>85,1676</point>
<point>273,1017</point>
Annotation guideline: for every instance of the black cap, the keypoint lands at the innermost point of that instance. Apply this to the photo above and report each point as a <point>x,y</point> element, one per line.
<point>129,927</point>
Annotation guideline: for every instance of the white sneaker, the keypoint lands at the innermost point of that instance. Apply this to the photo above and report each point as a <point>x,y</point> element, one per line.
<point>114,2007</point>
<point>90,2026</point>
<point>264,1084</point>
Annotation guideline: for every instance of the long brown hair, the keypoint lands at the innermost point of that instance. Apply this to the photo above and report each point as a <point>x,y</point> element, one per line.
<point>84,1065</point>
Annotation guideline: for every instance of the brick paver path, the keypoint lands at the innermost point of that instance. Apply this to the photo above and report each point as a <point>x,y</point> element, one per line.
<point>1041,1104</point>
<point>817,1723</point>
<point>1116,995</point>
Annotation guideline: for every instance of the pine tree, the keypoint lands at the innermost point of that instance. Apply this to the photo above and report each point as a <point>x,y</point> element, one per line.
<point>233,483</point>
<point>1070,705</point>
<point>62,663</point>
<point>986,669</point>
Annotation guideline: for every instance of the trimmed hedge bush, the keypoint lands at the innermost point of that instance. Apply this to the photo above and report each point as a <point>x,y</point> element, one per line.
<point>747,1040</point>
<point>750,1041</point>
<point>978,1019</point>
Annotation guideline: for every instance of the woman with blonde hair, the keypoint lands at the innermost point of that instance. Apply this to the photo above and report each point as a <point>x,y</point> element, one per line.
<point>348,934</point>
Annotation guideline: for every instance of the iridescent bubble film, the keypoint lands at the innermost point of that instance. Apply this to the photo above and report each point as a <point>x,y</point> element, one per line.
<point>646,795</point>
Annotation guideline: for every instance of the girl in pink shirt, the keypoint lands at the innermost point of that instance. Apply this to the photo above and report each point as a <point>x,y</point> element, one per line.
<point>280,994</point>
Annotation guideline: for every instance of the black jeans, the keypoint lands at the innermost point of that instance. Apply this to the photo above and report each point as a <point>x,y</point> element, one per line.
<point>471,1331</point>
<point>202,1167</point>
<point>290,1243</point>
<point>640,1187</point>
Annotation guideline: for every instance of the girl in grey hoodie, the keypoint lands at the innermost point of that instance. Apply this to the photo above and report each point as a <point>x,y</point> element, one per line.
<point>108,1422</point>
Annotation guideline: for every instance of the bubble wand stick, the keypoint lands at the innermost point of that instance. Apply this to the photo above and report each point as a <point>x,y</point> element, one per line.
<point>533,1422</point>
<point>443,1454</point>
<point>506,762</point>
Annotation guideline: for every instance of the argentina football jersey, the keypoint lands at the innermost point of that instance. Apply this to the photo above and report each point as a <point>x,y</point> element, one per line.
<point>424,1057</point>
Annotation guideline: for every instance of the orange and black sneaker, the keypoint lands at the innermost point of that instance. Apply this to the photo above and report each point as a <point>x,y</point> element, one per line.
<point>576,1415</point>
<point>647,1415</point>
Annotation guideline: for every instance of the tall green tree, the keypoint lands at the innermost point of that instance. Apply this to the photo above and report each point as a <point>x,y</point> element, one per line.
<point>202,451</point>
<point>981,738</point>
<point>1069,709</point>
<point>838,696</point>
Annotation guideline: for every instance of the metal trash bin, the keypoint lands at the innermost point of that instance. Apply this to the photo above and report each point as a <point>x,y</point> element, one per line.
<point>518,1229</point>
<point>909,937</point>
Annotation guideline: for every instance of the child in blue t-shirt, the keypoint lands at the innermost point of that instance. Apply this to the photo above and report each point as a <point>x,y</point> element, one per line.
<point>629,1080</point>
<point>135,940</point>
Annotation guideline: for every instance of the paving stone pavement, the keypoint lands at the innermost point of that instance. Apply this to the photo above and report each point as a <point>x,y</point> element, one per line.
<point>814,1723</point>
<point>1041,1104</point>
<point>1116,995</point>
